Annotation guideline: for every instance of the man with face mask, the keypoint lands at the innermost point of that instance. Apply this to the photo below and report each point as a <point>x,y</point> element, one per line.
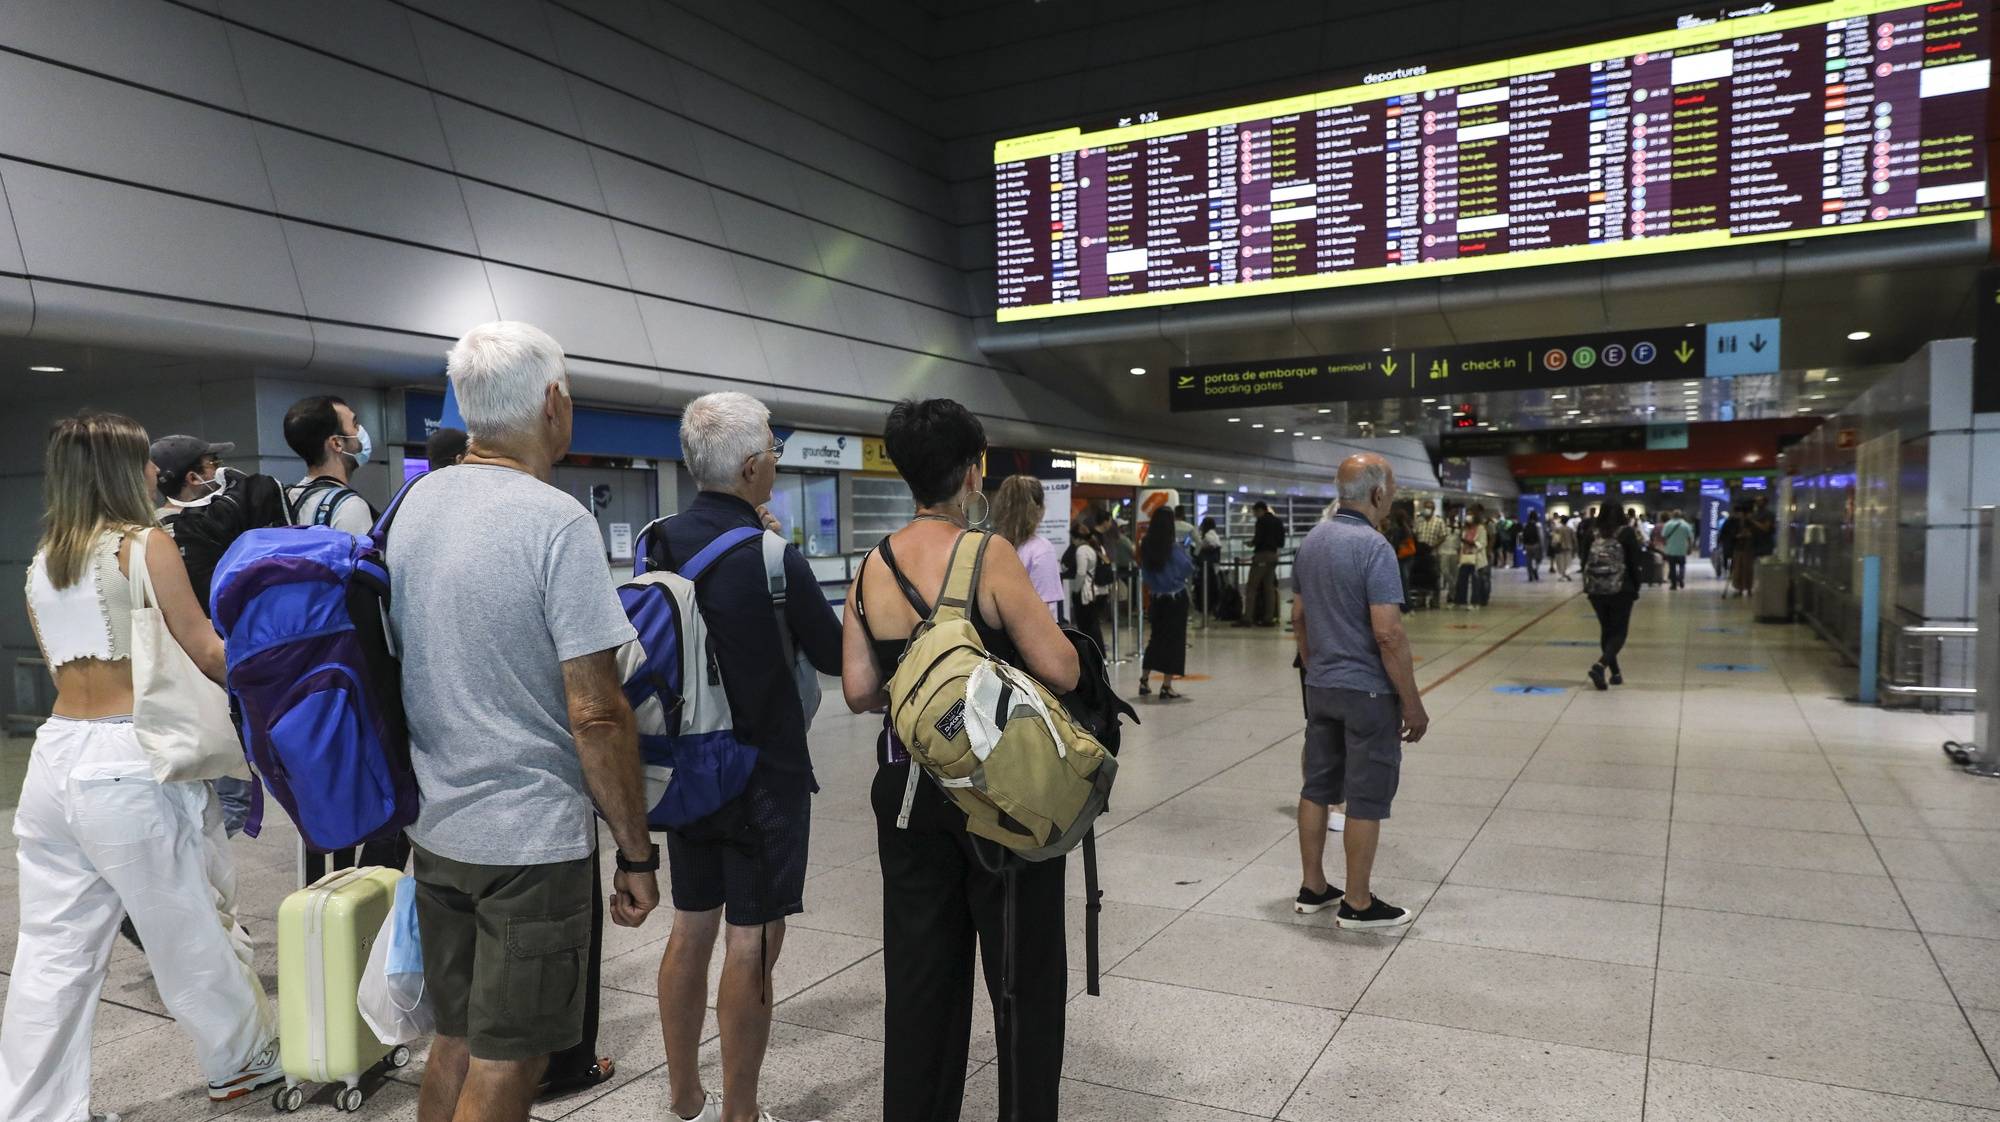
<point>1425,574</point>
<point>190,474</point>
<point>324,433</point>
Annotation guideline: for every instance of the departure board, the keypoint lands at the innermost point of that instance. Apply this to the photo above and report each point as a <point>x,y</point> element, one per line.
<point>1821,119</point>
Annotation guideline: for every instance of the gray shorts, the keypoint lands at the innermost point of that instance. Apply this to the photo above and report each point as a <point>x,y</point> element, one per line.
<point>1354,750</point>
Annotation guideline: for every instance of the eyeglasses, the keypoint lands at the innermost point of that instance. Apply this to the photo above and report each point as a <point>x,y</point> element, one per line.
<point>777,449</point>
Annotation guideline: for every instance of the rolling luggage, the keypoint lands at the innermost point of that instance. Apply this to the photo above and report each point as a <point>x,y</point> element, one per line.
<point>1773,597</point>
<point>324,935</point>
<point>1656,568</point>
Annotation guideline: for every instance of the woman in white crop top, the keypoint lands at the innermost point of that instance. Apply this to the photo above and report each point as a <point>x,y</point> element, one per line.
<point>100,838</point>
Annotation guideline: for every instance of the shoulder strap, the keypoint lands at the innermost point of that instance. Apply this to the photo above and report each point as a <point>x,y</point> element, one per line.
<point>642,551</point>
<point>327,509</point>
<point>774,568</point>
<point>139,576</point>
<point>910,592</point>
<point>380,533</point>
<point>713,551</point>
<point>860,608</point>
<point>307,490</point>
<point>961,577</point>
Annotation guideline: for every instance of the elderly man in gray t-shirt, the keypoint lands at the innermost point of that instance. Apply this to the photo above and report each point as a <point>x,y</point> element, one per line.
<point>1361,689</point>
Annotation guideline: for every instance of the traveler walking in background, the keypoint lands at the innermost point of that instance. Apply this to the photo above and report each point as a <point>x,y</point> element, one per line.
<point>1208,564</point>
<point>1561,544</point>
<point>942,889</point>
<point>1361,691</point>
<point>1166,569</point>
<point>1428,572</point>
<point>333,445</point>
<point>190,477</point>
<point>1676,541</point>
<point>1017,516</point>
<point>1611,580</point>
<point>1473,539</point>
<point>747,884</point>
<point>1403,539</point>
<point>1532,541</point>
<point>99,835</point>
<point>519,728</point>
<point>1260,596</point>
<point>1738,551</point>
<point>446,447</point>
<point>1086,596</point>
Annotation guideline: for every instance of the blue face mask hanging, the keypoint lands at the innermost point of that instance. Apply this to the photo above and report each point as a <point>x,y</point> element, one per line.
<point>406,948</point>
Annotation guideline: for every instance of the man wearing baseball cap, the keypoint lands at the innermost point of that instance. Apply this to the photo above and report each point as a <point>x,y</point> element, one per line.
<point>189,469</point>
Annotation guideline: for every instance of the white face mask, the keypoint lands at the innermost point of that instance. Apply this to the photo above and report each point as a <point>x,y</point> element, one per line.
<point>210,489</point>
<point>366,450</point>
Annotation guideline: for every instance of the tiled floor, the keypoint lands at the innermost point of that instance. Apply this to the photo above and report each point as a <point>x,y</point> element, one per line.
<point>1705,895</point>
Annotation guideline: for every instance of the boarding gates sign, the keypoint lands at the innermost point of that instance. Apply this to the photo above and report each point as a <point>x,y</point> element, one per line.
<point>1655,354</point>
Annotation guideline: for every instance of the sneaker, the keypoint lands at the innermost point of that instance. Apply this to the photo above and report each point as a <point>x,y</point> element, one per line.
<point>1145,690</point>
<point>1379,913</point>
<point>711,1110</point>
<point>1336,821</point>
<point>1597,675</point>
<point>1617,679</point>
<point>262,1071</point>
<point>1310,901</point>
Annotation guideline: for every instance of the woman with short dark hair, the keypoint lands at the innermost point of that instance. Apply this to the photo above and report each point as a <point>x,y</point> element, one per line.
<point>942,889</point>
<point>1165,567</point>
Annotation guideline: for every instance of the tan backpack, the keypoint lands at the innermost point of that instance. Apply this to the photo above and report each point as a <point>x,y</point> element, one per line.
<point>994,739</point>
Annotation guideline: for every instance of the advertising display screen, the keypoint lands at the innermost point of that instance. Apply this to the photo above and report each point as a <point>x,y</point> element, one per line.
<point>1754,483</point>
<point>1825,118</point>
<point>1593,488</point>
<point>1673,486</point>
<point>1631,486</point>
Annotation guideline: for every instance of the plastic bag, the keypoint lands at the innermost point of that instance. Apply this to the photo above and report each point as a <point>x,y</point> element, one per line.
<point>391,997</point>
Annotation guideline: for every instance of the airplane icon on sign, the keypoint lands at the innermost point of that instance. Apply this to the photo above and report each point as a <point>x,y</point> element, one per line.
<point>1186,381</point>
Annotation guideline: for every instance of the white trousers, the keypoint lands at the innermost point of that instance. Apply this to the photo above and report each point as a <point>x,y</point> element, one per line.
<point>100,838</point>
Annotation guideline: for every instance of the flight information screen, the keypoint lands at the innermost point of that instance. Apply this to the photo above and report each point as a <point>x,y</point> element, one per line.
<point>1832,117</point>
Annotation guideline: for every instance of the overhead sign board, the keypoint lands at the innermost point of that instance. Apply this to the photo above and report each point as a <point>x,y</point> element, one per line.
<point>1510,364</point>
<point>1746,346</point>
<point>824,450</point>
<point>1116,470</point>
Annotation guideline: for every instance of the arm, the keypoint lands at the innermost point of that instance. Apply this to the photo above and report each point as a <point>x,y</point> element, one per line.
<point>1299,626</point>
<point>185,619</point>
<point>607,744</point>
<point>814,626</point>
<point>861,681</point>
<point>1004,585</point>
<point>1390,639</point>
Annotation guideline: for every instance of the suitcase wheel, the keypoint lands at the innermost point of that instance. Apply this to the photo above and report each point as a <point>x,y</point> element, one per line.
<point>349,1099</point>
<point>288,1098</point>
<point>400,1056</point>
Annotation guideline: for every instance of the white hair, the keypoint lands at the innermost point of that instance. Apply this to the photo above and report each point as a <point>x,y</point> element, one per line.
<point>1360,487</point>
<point>501,373</point>
<point>718,432</point>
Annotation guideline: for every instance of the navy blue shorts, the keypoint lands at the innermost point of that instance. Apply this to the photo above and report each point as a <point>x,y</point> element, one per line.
<point>757,877</point>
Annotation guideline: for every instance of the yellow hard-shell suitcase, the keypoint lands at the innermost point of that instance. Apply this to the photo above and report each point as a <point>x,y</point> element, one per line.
<point>324,935</point>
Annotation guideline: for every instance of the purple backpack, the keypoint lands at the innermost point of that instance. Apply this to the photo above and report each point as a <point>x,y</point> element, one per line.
<point>314,679</point>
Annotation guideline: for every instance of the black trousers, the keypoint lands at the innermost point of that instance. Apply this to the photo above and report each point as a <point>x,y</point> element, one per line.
<point>1677,570</point>
<point>939,901</point>
<point>1086,618</point>
<point>1614,620</point>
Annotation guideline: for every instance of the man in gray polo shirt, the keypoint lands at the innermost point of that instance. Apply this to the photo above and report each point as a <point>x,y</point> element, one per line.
<point>1361,689</point>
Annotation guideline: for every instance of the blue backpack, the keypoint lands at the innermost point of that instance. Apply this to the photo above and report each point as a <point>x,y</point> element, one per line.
<point>694,763</point>
<point>314,679</point>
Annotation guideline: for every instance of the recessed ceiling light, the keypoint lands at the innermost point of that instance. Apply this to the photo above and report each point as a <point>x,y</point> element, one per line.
<point>1430,401</point>
<point>1385,350</point>
<point>1395,432</point>
<point>1187,475</point>
<point>1857,336</point>
<point>1319,438</point>
<point>1558,397</point>
<point>1817,397</point>
<point>1327,410</point>
<point>1444,408</point>
<point>46,369</point>
<point>1690,393</point>
<point>1256,424</point>
<point>1575,412</point>
<point>1218,479</point>
<point>1805,408</point>
<point>1138,370</point>
<point>1691,382</point>
<point>1280,432</point>
<point>1833,377</point>
<point>1235,420</point>
<point>1687,325</point>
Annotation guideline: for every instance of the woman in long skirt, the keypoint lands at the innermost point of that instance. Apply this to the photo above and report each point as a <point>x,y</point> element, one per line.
<point>1165,567</point>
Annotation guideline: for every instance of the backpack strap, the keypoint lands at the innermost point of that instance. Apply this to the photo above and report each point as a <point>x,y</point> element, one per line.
<point>910,592</point>
<point>307,490</point>
<point>713,551</point>
<point>642,551</point>
<point>961,578</point>
<point>774,579</point>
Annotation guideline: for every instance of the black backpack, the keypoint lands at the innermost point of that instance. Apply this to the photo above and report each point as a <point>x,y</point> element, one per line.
<point>204,533</point>
<point>1069,562</point>
<point>1097,707</point>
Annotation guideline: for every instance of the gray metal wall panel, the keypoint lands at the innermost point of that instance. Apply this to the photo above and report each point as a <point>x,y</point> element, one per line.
<point>626,125</point>
<point>658,198</point>
<point>871,315</point>
<point>372,32</point>
<point>728,162</point>
<point>763,231</point>
<point>367,281</point>
<point>703,341</point>
<point>587,47</point>
<point>125,38</point>
<point>78,314</point>
<point>17,310</point>
<point>667,266</point>
<point>297,87</point>
<point>543,235</point>
<point>488,146</point>
<point>133,134</point>
<point>587,319</point>
<point>797,357</point>
<point>10,246</point>
<point>517,23</point>
<point>98,232</point>
<point>486,73</point>
<point>334,183</point>
<point>789,295</point>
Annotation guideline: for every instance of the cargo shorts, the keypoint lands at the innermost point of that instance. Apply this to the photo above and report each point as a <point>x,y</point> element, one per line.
<point>1354,750</point>
<point>506,952</point>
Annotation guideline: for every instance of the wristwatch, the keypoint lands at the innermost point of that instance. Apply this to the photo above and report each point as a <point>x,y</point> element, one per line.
<point>650,865</point>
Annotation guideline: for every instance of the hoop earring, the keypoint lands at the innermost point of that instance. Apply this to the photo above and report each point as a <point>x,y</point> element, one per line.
<point>985,509</point>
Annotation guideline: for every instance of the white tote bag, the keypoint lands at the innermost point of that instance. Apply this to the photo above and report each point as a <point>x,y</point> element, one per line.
<point>181,718</point>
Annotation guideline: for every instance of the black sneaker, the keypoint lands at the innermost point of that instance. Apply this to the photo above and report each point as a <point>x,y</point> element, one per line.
<point>1597,675</point>
<point>1310,901</point>
<point>1380,913</point>
<point>1617,679</point>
